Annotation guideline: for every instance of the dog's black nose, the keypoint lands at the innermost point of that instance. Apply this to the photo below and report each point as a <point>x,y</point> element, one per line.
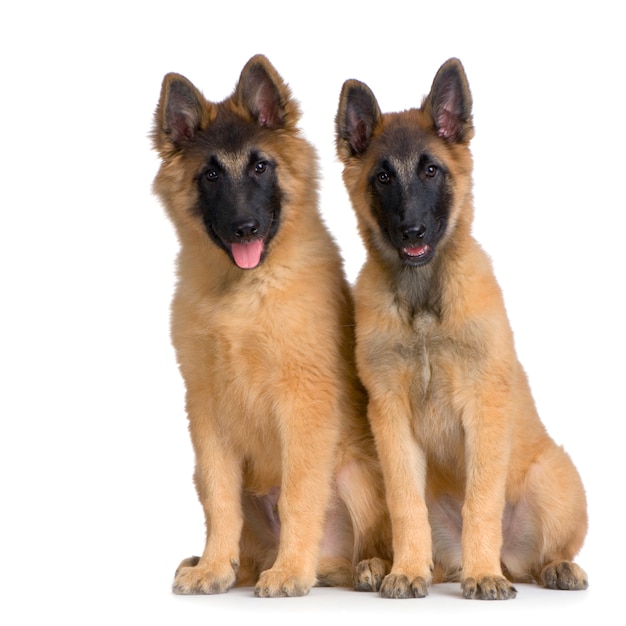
<point>246,229</point>
<point>411,234</point>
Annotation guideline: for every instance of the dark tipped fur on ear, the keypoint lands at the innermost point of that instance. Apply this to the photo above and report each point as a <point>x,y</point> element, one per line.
<point>183,111</point>
<point>180,114</point>
<point>357,117</point>
<point>264,94</point>
<point>449,103</point>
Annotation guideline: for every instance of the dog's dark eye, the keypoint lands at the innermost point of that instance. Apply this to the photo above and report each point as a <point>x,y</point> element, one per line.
<point>431,170</point>
<point>260,167</point>
<point>383,177</point>
<point>211,175</point>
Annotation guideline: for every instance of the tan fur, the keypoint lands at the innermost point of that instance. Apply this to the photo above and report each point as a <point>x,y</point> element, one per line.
<point>276,415</point>
<point>475,485</point>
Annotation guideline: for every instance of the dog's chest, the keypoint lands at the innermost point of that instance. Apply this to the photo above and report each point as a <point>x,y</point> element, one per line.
<point>256,341</point>
<point>426,355</point>
<point>244,341</point>
<point>241,378</point>
<point>416,352</point>
<point>438,367</point>
<point>425,349</point>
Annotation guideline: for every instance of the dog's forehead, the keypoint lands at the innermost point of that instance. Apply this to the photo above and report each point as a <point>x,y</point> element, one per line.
<point>404,166</point>
<point>233,160</point>
<point>402,145</point>
<point>231,143</point>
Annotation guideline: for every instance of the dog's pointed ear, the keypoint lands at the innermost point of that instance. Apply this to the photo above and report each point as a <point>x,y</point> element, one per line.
<point>449,103</point>
<point>180,114</point>
<point>357,117</point>
<point>265,96</point>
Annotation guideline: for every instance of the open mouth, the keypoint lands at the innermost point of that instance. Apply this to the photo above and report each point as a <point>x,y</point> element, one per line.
<point>417,251</point>
<point>416,255</point>
<point>247,255</point>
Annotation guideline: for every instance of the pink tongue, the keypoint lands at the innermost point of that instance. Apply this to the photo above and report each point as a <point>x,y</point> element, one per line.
<point>247,255</point>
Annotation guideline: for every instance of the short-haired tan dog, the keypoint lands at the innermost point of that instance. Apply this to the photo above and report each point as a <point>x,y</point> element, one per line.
<point>477,490</point>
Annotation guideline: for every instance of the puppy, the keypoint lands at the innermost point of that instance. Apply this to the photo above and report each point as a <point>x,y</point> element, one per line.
<point>477,490</point>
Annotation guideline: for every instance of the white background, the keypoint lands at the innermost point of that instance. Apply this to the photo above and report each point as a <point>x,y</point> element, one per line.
<point>97,500</point>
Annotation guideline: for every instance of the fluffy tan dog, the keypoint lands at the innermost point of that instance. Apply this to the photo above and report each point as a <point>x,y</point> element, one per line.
<point>262,324</point>
<point>477,490</point>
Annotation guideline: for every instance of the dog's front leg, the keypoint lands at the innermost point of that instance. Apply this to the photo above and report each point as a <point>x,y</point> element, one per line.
<point>218,482</point>
<point>308,450</point>
<point>487,441</point>
<point>403,462</point>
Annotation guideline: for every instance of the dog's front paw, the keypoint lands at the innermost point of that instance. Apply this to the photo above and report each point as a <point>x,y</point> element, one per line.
<point>564,575</point>
<point>369,574</point>
<point>194,577</point>
<point>488,588</point>
<point>402,586</point>
<point>282,583</point>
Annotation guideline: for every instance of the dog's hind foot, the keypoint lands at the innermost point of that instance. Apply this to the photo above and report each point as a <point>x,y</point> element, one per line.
<point>369,574</point>
<point>564,575</point>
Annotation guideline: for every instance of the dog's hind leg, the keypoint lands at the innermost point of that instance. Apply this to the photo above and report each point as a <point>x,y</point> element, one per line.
<point>335,564</point>
<point>360,486</point>
<point>334,572</point>
<point>544,531</point>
